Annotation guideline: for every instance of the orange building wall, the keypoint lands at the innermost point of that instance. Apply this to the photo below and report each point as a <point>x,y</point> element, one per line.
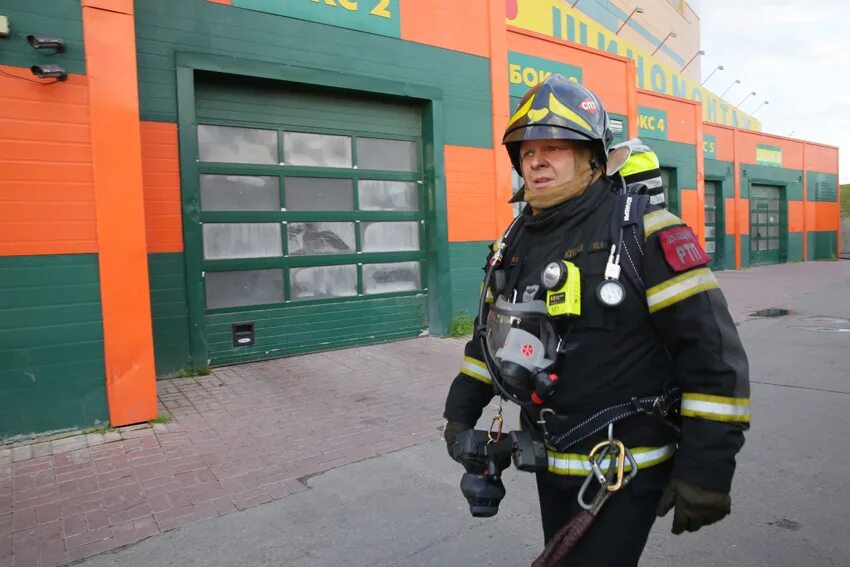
<point>821,158</point>
<point>724,150</point>
<point>603,73</point>
<point>461,26</point>
<point>46,189</point>
<point>681,120</point>
<point>161,185</point>
<point>822,216</point>
<point>469,193</point>
<point>792,150</point>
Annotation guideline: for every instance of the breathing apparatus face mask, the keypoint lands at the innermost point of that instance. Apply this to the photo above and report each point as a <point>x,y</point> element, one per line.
<point>522,341</point>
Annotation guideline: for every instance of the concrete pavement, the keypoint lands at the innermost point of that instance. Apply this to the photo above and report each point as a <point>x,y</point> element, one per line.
<point>380,490</point>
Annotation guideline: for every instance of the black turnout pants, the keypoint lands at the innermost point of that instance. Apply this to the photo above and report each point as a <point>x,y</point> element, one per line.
<point>618,535</point>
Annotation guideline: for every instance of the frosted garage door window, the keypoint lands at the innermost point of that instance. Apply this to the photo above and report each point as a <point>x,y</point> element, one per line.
<point>318,194</point>
<point>323,282</point>
<point>319,150</point>
<point>391,155</point>
<point>389,236</point>
<point>308,238</point>
<point>224,241</point>
<point>388,278</point>
<point>387,195</point>
<point>238,289</point>
<point>239,193</point>
<point>236,145</point>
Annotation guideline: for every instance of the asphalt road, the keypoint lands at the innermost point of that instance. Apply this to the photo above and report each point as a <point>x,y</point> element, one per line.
<point>790,500</point>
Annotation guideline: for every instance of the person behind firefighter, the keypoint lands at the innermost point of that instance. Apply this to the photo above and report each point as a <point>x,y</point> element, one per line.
<point>641,172</point>
<point>671,330</point>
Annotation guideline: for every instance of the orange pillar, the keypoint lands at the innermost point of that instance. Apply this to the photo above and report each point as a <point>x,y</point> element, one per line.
<point>499,90</point>
<point>631,98</point>
<point>700,174</point>
<point>110,46</point>
<point>805,207</point>
<point>736,168</point>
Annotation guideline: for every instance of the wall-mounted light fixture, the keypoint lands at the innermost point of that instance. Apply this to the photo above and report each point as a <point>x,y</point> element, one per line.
<point>55,44</point>
<point>745,98</point>
<point>635,11</point>
<point>49,72</point>
<point>753,113</point>
<point>736,82</point>
<point>669,35</point>
<point>718,68</point>
<point>700,52</point>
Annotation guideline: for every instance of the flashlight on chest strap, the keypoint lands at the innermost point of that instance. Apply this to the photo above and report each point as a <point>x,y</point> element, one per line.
<point>562,281</point>
<point>610,292</point>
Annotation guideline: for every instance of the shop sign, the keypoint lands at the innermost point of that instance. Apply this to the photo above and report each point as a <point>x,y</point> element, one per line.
<point>556,19</point>
<point>709,146</point>
<point>769,155</point>
<point>526,71</point>
<point>652,123</point>
<point>373,16</point>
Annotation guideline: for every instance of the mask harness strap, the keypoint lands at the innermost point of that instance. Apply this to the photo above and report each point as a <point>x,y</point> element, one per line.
<point>494,264</point>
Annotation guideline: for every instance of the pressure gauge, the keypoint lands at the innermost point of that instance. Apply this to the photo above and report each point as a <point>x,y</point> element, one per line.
<point>610,293</point>
<point>554,275</point>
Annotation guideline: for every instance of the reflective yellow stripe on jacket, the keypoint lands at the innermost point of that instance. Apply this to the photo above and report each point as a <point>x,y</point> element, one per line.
<point>577,464</point>
<point>475,368</point>
<point>657,220</point>
<point>717,408</point>
<point>681,287</point>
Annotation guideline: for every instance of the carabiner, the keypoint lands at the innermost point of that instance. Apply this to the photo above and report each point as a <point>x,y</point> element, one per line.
<point>620,455</point>
<point>498,437</point>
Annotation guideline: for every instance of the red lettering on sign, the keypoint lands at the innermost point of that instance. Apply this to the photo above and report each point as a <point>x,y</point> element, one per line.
<point>681,249</point>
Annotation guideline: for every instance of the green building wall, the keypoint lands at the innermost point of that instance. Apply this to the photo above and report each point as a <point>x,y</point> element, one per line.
<point>51,344</point>
<point>52,373</point>
<point>169,312</point>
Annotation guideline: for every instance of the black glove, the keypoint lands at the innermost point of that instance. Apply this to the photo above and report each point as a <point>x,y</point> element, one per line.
<point>450,433</point>
<point>695,506</point>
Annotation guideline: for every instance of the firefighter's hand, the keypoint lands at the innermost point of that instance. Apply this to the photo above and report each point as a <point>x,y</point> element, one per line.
<point>450,433</point>
<point>695,506</point>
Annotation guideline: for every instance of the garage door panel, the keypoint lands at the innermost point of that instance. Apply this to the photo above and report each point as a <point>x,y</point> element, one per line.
<point>312,218</point>
<point>275,103</point>
<point>320,327</point>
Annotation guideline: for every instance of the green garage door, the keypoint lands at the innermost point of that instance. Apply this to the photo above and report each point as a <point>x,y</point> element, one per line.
<point>312,214</point>
<point>670,180</point>
<point>714,228</point>
<point>765,224</point>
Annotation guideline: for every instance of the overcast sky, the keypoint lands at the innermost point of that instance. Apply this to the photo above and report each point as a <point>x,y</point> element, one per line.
<point>795,54</point>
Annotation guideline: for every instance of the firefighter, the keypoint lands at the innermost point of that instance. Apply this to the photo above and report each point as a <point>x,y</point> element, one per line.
<point>667,328</point>
<point>642,173</point>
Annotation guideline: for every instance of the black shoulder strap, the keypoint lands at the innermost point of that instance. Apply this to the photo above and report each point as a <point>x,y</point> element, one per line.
<point>627,221</point>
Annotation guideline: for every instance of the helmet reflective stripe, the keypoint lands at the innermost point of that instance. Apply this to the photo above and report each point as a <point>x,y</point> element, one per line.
<point>564,112</point>
<point>475,369</point>
<point>717,408</point>
<point>577,464</point>
<point>639,163</point>
<point>520,112</point>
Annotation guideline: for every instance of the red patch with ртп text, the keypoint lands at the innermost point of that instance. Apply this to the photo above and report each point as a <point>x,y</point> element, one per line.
<point>681,249</point>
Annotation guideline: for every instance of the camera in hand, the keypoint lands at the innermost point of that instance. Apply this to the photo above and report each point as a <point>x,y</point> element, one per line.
<point>484,462</point>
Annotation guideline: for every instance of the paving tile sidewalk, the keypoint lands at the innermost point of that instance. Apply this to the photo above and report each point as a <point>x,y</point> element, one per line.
<point>246,435</point>
<point>240,437</point>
